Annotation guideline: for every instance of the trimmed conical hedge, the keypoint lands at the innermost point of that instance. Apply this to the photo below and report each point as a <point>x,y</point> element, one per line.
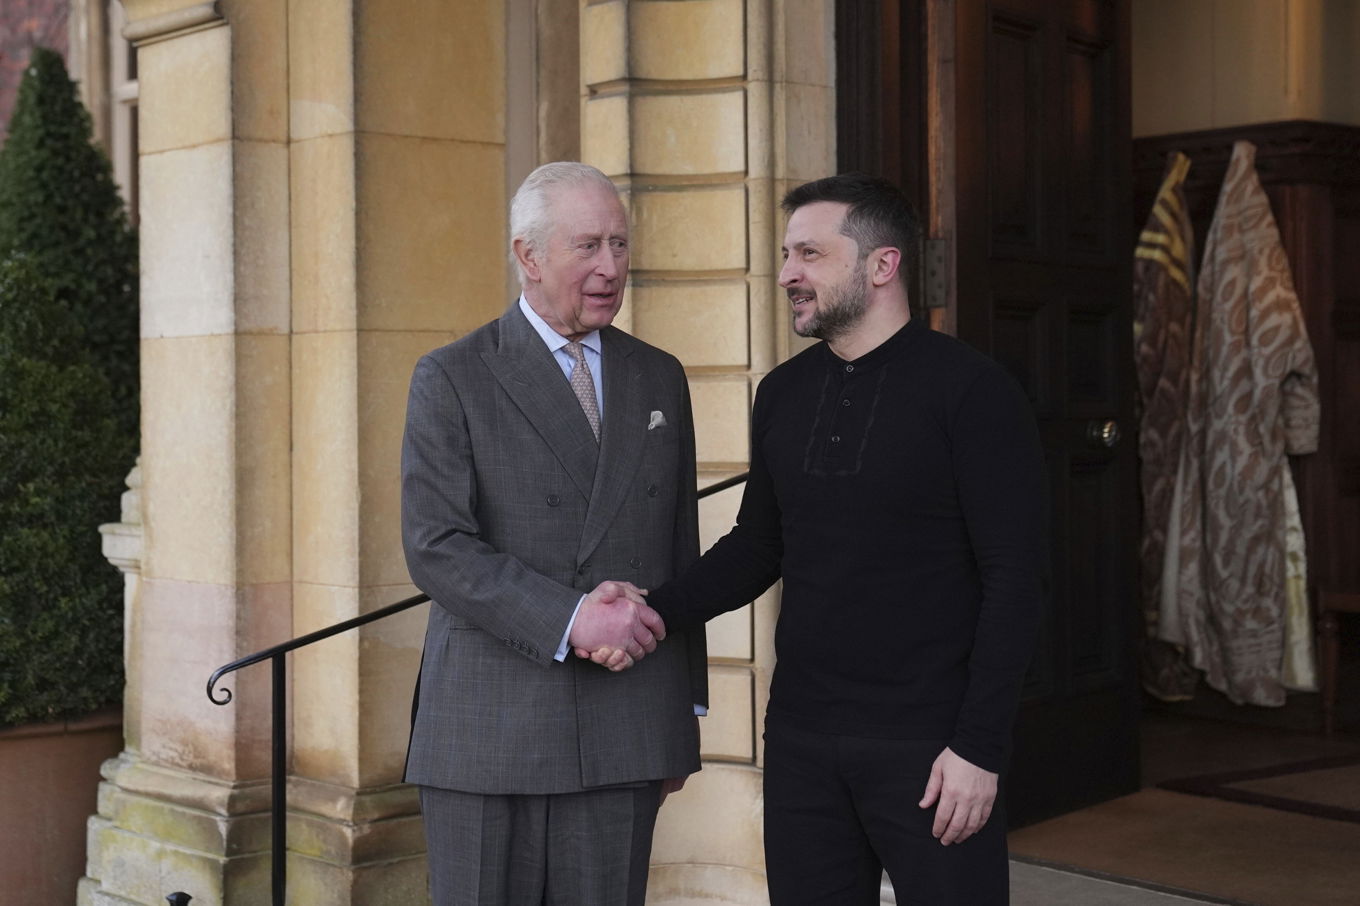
<point>68,404</point>
<point>63,455</point>
<point>60,207</point>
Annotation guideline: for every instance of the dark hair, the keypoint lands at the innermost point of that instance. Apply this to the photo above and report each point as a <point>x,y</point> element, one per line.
<point>880,215</point>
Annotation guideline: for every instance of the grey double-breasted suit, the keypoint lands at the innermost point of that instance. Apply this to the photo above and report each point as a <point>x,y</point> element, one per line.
<point>510,512</point>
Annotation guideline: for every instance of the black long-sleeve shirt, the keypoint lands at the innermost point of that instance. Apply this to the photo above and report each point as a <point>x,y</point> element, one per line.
<point>901,498</point>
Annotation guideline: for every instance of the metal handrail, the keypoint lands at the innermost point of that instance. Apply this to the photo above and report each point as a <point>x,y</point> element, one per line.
<point>279,762</point>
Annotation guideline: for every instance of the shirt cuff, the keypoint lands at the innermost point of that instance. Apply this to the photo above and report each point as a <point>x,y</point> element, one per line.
<point>700,711</point>
<point>563,648</point>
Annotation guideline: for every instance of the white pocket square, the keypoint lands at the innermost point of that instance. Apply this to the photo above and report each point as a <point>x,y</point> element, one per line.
<point>656,420</point>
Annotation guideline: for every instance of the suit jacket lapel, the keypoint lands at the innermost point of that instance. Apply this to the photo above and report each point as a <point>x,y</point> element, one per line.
<point>526,370</point>
<point>624,429</point>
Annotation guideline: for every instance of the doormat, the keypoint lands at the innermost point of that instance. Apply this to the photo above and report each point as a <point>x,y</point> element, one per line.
<point>1321,787</point>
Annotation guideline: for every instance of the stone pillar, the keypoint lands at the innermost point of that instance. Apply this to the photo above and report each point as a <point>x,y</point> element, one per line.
<point>398,224</point>
<point>704,112</point>
<point>183,808</point>
<point>322,201</point>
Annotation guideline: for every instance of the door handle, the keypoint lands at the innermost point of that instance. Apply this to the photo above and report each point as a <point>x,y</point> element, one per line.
<point>1103,433</point>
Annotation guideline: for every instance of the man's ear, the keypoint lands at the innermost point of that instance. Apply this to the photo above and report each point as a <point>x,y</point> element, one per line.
<point>883,265</point>
<point>527,257</point>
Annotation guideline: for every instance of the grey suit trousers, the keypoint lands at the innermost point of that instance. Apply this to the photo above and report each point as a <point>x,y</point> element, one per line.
<point>558,849</point>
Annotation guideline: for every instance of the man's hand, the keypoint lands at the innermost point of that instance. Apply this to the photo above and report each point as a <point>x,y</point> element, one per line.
<point>615,618</point>
<point>965,793</point>
<point>615,659</point>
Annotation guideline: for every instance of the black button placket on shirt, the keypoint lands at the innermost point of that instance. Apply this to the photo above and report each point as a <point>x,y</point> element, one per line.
<point>850,396</point>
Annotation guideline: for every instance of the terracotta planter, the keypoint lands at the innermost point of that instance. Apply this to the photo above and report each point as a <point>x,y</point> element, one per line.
<point>49,779</point>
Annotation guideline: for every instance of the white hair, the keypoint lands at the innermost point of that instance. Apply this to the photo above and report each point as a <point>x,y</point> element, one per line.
<point>530,218</point>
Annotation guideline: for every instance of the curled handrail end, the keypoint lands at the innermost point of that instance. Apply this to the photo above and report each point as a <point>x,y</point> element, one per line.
<point>212,695</point>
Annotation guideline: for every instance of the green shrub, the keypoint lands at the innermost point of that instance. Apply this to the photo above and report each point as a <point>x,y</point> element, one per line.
<point>60,207</point>
<point>68,403</point>
<point>63,455</point>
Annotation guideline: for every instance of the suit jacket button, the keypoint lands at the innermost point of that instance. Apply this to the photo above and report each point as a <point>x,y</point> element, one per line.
<point>651,490</point>
<point>635,562</point>
<point>554,500</point>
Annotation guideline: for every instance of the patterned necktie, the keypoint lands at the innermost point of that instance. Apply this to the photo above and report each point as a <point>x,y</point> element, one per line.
<point>584,386</point>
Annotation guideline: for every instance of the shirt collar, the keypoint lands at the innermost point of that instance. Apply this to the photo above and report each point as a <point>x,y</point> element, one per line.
<point>881,353</point>
<point>554,339</point>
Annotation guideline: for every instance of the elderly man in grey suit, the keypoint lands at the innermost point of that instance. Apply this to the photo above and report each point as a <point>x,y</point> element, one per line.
<point>543,453</point>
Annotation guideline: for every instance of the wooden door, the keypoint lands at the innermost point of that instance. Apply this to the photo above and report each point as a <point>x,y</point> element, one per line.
<point>1022,169</point>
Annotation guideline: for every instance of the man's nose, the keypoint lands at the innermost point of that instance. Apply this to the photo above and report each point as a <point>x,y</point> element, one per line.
<point>788,273</point>
<point>607,263</point>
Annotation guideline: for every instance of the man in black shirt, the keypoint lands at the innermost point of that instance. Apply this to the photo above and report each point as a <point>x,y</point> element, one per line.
<point>897,487</point>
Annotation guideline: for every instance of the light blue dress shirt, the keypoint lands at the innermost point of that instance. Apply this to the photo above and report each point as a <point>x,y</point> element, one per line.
<point>557,345</point>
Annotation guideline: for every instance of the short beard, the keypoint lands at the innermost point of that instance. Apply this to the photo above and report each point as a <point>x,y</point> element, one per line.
<point>845,306</point>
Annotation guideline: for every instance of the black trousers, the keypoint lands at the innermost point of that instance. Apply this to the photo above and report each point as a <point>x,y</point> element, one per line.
<point>839,810</point>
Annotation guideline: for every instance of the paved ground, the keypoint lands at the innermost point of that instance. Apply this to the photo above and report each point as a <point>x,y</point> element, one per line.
<point>1043,885</point>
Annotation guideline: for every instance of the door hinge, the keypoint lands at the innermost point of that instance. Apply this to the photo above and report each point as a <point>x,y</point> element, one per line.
<point>935,269</point>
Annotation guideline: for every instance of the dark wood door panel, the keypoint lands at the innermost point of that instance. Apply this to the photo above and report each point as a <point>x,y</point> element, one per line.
<point>1044,264</point>
<point>1095,622</point>
<point>1022,340</point>
<point>1015,147</point>
<point>1086,174</point>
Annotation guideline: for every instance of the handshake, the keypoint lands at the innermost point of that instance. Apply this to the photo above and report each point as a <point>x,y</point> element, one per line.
<point>614,626</point>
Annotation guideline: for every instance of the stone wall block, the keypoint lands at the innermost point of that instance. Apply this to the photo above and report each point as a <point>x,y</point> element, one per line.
<point>263,458</point>
<point>431,234</point>
<point>186,242</point>
<point>698,39</point>
<point>729,635</point>
<point>737,840</point>
<point>321,80</point>
<point>805,137</point>
<point>604,42</point>
<point>338,842</point>
<point>605,134</point>
<point>689,228</point>
<point>261,237</point>
<point>386,360</point>
<point>807,42</point>
<point>704,324</point>
<point>389,653</point>
<point>185,91</point>
<point>326,705</point>
<point>689,134</point>
<point>322,229</point>
<point>399,882</point>
<point>188,458</point>
<point>722,416</point>
<point>259,47</point>
<point>325,467</point>
<point>705,885</point>
<point>729,728</point>
<point>179,728</point>
<point>432,70</point>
